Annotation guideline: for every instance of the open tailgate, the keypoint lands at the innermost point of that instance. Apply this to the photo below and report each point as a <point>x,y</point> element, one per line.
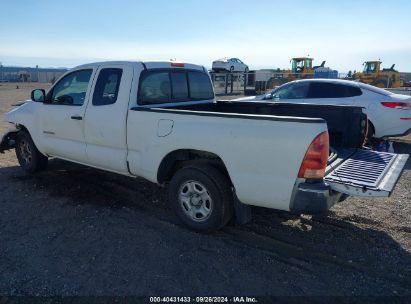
<point>359,172</point>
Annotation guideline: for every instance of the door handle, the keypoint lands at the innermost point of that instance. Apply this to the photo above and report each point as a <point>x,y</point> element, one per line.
<point>76,117</point>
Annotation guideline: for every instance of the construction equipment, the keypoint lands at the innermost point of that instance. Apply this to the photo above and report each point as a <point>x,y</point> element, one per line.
<point>301,68</point>
<point>385,78</point>
<point>303,65</point>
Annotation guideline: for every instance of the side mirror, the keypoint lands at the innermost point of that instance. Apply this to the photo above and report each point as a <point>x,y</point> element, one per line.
<point>38,95</point>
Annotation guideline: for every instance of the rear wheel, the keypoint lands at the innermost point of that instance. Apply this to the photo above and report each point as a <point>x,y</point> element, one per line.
<point>201,197</point>
<point>30,159</point>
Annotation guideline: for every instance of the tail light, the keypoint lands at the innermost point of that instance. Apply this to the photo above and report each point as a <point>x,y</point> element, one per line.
<point>397,105</point>
<point>177,64</point>
<point>315,159</point>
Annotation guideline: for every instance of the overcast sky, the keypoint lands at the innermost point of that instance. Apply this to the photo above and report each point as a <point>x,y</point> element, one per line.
<point>263,33</point>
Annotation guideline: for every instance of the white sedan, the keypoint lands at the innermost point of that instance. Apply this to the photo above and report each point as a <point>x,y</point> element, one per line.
<point>229,64</point>
<point>389,114</point>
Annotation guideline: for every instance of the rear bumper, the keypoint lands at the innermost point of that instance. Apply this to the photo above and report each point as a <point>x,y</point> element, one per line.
<point>315,198</point>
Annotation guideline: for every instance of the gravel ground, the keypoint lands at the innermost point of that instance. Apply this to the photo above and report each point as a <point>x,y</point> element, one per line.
<point>73,230</point>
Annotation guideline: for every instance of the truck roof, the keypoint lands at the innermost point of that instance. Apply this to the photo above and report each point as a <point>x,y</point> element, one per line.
<point>147,64</point>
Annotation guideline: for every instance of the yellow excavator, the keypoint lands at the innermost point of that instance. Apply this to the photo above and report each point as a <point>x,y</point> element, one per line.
<point>301,68</point>
<point>385,78</point>
<point>304,65</point>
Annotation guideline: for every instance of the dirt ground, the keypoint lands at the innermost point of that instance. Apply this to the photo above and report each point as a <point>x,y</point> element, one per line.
<point>73,230</point>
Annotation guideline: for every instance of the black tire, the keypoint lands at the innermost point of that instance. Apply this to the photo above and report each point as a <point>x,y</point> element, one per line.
<point>215,185</point>
<point>30,159</point>
<point>380,83</point>
<point>246,70</point>
<point>231,69</point>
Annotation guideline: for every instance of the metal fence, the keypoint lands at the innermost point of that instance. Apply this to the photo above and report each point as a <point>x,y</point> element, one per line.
<point>262,81</point>
<point>27,74</point>
<point>254,82</point>
<point>233,83</point>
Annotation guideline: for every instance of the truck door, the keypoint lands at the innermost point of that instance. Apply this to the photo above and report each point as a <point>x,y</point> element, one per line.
<point>61,119</point>
<point>105,125</point>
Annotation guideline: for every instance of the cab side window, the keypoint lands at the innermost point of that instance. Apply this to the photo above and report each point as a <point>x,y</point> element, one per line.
<point>107,87</point>
<point>72,89</point>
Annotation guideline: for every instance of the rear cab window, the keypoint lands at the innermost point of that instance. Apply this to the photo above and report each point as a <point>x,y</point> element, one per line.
<point>170,85</point>
<point>200,86</point>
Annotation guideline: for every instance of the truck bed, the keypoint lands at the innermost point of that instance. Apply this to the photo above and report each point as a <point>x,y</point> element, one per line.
<point>346,124</point>
<point>353,170</point>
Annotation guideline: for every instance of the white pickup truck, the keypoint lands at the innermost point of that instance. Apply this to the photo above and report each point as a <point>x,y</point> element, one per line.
<point>161,121</point>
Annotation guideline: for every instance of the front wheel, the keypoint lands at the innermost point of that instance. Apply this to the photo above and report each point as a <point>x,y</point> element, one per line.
<point>380,83</point>
<point>30,159</point>
<point>201,197</point>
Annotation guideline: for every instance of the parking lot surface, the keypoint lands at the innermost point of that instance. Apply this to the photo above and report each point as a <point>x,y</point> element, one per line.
<point>74,230</point>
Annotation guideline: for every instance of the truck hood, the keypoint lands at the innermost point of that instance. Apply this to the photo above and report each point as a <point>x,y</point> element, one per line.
<point>20,103</point>
<point>22,108</point>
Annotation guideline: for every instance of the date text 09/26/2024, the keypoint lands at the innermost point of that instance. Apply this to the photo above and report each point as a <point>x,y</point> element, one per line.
<point>238,299</point>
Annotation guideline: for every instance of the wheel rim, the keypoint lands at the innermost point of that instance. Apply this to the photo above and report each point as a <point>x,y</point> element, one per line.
<point>195,201</point>
<point>25,152</point>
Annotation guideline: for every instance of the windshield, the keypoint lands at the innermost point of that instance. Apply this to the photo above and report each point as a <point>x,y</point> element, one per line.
<point>297,65</point>
<point>369,68</point>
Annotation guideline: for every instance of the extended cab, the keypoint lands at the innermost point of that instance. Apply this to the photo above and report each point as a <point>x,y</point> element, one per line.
<point>161,121</point>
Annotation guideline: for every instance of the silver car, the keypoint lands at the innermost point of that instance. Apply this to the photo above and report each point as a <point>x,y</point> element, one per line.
<point>229,64</point>
<point>389,114</point>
